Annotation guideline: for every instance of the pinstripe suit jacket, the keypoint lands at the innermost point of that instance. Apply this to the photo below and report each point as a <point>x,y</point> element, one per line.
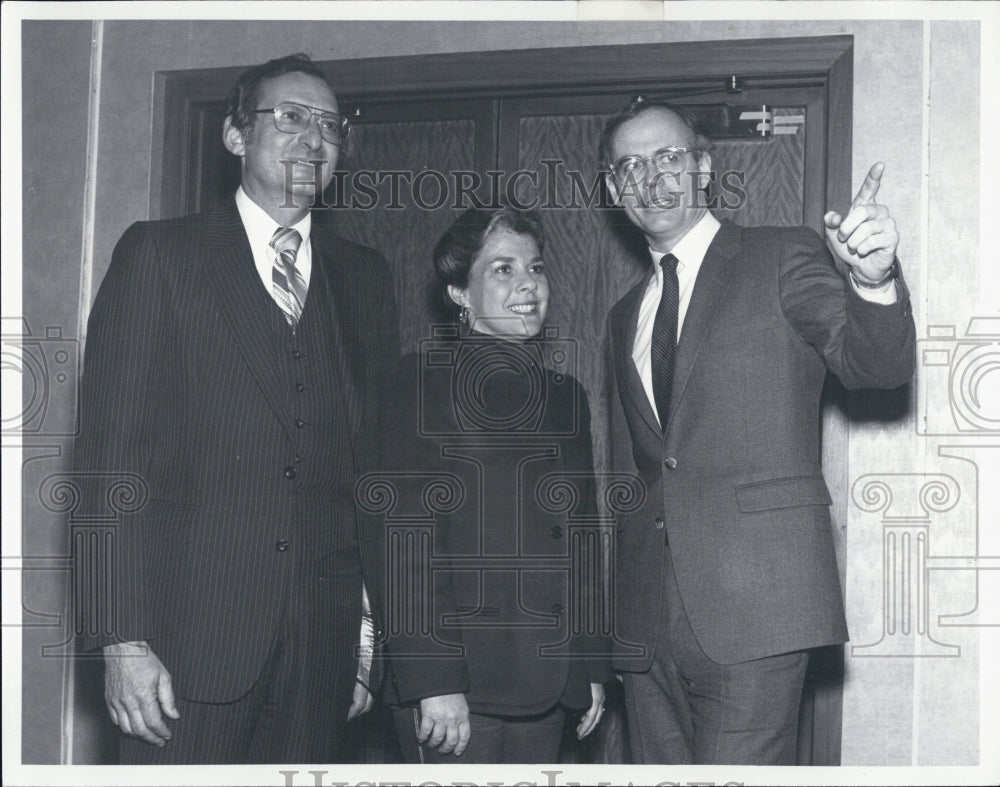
<point>734,490</point>
<point>180,389</point>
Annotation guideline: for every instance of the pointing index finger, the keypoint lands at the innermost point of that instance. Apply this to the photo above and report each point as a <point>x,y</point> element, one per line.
<point>866,194</point>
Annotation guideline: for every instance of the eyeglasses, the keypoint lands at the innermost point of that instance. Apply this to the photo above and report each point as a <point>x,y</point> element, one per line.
<point>636,168</point>
<point>293,118</point>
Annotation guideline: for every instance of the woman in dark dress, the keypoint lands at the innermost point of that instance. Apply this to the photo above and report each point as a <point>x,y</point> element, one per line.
<point>495,636</point>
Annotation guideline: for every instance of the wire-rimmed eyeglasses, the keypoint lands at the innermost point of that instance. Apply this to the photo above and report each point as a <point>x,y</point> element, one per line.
<point>636,168</point>
<point>292,118</point>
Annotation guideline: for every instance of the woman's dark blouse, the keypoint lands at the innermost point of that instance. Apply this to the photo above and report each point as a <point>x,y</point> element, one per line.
<point>489,455</point>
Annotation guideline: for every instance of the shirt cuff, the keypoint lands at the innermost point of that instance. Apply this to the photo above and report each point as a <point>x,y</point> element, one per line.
<point>886,295</point>
<point>366,640</point>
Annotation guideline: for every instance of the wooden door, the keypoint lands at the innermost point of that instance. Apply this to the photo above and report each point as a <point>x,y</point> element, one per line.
<point>397,191</point>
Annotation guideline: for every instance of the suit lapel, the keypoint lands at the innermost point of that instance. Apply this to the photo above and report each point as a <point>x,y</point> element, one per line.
<point>627,370</point>
<point>709,288</point>
<point>347,344</point>
<point>232,276</point>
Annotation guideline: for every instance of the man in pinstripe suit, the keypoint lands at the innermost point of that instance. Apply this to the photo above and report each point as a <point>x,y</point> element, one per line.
<point>234,364</point>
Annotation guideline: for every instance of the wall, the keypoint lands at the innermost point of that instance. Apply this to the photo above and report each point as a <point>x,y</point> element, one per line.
<point>55,84</point>
<point>912,79</point>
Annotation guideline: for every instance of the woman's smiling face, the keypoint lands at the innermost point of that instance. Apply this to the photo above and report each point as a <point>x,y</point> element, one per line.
<point>507,293</point>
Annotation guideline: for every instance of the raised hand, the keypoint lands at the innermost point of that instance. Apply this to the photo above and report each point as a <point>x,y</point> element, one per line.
<point>866,239</point>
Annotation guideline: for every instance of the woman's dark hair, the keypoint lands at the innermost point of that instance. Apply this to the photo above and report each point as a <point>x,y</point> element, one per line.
<point>464,240</point>
<point>242,100</point>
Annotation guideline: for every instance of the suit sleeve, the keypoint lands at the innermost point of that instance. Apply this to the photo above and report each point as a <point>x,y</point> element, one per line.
<point>123,362</point>
<point>619,434</point>
<point>592,641</point>
<point>422,666</point>
<point>865,344</point>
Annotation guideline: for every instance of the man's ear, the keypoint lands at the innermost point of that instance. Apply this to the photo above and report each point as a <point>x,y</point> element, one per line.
<point>458,295</point>
<point>704,167</point>
<point>232,138</point>
<point>609,181</point>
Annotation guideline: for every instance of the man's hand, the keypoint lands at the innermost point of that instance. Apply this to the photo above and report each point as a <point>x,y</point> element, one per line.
<point>444,723</point>
<point>136,688</point>
<point>592,716</point>
<point>362,701</point>
<point>867,238</point>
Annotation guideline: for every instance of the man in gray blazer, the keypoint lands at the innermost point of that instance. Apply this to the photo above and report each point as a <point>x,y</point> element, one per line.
<point>726,575</point>
<point>234,363</point>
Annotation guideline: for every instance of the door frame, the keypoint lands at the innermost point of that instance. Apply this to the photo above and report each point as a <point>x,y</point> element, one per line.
<point>675,67</point>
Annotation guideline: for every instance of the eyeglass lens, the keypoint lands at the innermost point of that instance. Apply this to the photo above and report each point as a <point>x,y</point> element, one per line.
<point>637,167</point>
<point>295,118</point>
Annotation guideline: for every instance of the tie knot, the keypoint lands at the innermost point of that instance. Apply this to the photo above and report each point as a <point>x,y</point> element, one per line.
<point>668,262</point>
<point>285,239</point>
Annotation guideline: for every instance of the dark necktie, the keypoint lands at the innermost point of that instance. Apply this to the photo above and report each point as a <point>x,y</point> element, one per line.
<point>664,344</point>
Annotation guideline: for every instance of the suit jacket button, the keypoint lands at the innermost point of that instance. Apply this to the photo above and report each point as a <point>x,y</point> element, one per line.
<point>299,423</point>
<point>282,545</point>
<point>659,523</point>
<point>670,462</point>
<point>296,354</point>
<point>556,532</point>
<point>299,387</point>
<point>289,472</point>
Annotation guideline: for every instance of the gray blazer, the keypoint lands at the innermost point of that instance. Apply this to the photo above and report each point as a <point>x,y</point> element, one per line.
<point>733,487</point>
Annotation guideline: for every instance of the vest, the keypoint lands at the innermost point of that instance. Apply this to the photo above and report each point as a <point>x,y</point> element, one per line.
<point>320,454</point>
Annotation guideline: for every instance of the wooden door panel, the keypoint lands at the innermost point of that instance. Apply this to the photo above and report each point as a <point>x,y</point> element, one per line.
<point>773,175</point>
<point>405,225</point>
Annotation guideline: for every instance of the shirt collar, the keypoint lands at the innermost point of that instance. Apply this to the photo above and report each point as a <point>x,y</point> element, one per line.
<point>260,227</point>
<point>689,250</point>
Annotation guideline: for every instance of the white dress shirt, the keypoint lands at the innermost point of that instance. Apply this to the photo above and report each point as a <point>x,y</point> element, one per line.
<point>690,252</point>
<point>260,229</point>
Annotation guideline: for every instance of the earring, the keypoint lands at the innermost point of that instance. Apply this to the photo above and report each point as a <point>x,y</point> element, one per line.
<point>463,315</point>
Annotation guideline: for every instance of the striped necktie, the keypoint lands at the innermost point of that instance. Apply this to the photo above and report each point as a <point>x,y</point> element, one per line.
<point>664,342</point>
<point>287,285</point>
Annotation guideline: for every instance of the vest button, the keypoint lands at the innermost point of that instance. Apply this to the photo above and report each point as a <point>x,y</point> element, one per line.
<point>296,354</point>
<point>299,387</point>
<point>659,523</point>
<point>299,423</point>
<point>556,532</point>
<point>289,472</point>
<point>282,545</point>
<point>670,462</point>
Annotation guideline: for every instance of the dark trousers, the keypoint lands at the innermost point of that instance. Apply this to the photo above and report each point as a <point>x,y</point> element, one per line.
<point>495,739</point>
<point>297,710</point>
<point>686,709</point>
